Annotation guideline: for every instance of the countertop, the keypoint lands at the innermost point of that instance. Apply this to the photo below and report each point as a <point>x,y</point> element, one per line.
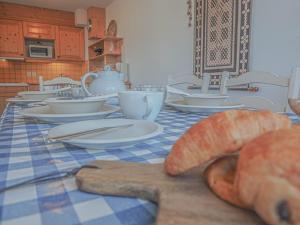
<point>14,85</point>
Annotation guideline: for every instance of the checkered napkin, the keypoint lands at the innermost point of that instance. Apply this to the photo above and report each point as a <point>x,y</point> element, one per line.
<point>26,154</point>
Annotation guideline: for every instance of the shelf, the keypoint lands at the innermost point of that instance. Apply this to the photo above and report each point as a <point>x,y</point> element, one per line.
<point>112,52</point>
<point>103,55</point>
<point>38,60</point>
<point>106,39</point>
<point>14,85</point>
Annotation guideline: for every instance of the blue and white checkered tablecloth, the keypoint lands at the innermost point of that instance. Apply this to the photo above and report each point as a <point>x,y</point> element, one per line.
<point>25,154</point>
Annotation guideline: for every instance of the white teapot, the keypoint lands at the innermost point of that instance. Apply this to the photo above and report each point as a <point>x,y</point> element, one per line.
<point>104,83</point>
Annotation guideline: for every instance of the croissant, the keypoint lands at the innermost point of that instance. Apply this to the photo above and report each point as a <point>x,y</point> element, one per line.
<point>220,177</point>
<point>220,134</point>
<point>268,176</point>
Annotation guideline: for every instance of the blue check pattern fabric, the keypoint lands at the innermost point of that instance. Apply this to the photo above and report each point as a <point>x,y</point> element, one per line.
<point>25,153</point>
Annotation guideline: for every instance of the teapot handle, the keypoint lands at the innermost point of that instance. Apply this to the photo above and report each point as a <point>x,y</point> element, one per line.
<point>83,80</point>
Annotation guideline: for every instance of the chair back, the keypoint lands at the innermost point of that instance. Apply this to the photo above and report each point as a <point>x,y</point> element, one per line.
<point>291,82</point>
<point>186,84</point>
<point>58,82</point>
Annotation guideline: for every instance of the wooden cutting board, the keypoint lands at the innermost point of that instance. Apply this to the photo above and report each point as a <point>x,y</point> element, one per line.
<point>184,200</point>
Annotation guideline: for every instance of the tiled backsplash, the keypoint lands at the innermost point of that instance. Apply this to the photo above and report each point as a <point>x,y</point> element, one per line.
<point>29,72</point>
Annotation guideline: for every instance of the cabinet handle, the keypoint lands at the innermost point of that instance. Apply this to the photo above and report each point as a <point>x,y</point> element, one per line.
<point>90,26</point>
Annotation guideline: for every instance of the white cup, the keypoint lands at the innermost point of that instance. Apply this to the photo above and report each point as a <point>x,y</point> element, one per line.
<point>141,105</point>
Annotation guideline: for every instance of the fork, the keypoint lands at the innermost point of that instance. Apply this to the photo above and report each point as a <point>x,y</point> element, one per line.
<point>96,131</point>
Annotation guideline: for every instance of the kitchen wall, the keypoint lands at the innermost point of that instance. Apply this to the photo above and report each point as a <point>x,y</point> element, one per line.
<point>158,42</point>
<point>157,39</point>
<point>29,72</point>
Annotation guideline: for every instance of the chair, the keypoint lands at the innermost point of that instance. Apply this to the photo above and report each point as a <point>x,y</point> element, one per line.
<point>124,69</point>
<point>189,82</point>
<point>186,84</point>
<point>291,82</point>
<point>58,82</point>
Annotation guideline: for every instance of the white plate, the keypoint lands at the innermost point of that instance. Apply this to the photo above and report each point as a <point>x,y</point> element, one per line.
<point>41,95</point>
<point>44,113</point>
<point>205,99</point>
<point>182,106</point>
<point>20,101</point>
<point>141,130</point>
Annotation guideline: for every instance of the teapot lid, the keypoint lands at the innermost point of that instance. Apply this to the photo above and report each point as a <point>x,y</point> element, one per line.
<point>108,71</point>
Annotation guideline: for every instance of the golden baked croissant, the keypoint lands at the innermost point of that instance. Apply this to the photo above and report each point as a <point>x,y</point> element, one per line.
<point>220,177</point>
<point>268,176</point>
<point>220,134</point>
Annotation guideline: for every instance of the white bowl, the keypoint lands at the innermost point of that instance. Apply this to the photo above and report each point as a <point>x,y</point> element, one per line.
<point>205,99</point>
<point>75,106</point>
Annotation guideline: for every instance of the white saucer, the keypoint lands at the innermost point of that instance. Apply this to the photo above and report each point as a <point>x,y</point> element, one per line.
<point>21,101</point>
<point>141,130</point>
<point>44,113</point>
<point>182,106</point>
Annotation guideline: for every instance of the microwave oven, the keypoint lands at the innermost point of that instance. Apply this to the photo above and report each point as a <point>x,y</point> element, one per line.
<point>40,51</point>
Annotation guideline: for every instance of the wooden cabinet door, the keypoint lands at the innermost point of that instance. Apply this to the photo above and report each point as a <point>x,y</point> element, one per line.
<point>11,38</point>
<point>69,43</point>
<point>39,30</point>
<point>96,17</point>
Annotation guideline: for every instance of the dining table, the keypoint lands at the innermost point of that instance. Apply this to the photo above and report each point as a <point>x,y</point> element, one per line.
<point>26,154</point>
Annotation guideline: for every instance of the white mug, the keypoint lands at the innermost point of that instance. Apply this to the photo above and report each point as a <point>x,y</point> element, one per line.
<point>141,105</point>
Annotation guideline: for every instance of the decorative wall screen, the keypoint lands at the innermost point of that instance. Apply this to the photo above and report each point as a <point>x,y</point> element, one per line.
<point>222,30</point>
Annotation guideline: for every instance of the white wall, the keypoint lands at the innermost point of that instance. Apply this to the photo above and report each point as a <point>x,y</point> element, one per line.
<point>158,42</point>
<point>157,39</point>
<point>275,38</point>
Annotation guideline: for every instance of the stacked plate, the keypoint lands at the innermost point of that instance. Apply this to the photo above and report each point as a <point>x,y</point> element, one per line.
<point>203,103</point>
<point>18,100</point>
<point>27,97</point>
<point>66,110</point>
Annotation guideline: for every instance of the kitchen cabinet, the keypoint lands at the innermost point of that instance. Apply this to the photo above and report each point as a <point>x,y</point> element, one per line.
<point>9,90</point>
<point>39,31</point>
<point>11,38</point>
<point>96,18</point>
<point>69,43</point>
<point>36,14</point>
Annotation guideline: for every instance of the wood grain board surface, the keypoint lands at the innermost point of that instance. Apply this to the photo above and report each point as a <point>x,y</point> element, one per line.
<point>181,200</point>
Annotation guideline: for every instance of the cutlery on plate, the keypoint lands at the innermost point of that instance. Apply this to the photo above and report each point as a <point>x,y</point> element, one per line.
<point>102,130</point>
